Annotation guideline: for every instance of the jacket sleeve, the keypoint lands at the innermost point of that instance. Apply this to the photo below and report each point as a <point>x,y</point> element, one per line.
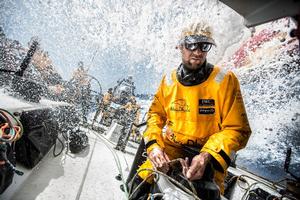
<point>235,129</point>
<point>155,122</point>
<point>137,115</point>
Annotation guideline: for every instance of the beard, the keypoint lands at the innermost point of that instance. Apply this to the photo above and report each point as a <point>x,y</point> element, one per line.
<point>193,65</point>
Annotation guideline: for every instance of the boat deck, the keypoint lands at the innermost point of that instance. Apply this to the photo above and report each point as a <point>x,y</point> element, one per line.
<point>87,175</point>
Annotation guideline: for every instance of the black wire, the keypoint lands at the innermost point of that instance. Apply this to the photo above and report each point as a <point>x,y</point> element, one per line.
<point>66,137</point>
<point>57,138</point>
<point>62,148</point>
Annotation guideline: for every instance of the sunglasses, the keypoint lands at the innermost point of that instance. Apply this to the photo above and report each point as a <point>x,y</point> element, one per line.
<point>204,47</point>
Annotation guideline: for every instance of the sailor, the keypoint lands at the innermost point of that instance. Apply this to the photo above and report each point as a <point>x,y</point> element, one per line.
<point>131,115</point>
<point>130,81</point>
<point>81,95</point>
<point>104,105</point>
<point>200,105</point>
<point>135,134</point>
<point>107,98</point>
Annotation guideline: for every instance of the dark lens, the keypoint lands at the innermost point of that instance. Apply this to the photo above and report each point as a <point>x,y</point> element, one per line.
<point>191,47</point>
<point>205,47</point>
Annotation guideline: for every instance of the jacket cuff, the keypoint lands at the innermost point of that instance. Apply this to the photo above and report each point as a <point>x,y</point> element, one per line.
<point>151,145</point>
<point>221,160</point>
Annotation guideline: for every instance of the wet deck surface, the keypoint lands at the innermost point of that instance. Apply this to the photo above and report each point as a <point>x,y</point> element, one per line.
<point>87,175</point>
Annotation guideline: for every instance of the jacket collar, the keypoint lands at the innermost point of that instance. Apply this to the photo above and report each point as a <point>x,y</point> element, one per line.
<point>188,77</point>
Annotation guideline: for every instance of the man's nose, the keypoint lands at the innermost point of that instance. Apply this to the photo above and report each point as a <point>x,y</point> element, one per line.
<point>197,51</point>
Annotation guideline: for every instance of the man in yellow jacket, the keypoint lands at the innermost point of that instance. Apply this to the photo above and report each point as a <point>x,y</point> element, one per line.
<point>104,105</point>
<point>132,110</point>
<point>198,104</point>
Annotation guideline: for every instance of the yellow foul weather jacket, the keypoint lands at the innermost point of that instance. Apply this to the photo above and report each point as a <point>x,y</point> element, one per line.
<point>107,98</point>
<point>210,114</point>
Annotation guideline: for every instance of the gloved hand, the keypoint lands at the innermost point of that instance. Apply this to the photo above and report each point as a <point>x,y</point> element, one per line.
<point>159,159</point>
<point>197,167</point>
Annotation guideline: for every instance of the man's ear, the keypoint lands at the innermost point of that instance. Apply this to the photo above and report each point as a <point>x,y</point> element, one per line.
<point>179,47</point>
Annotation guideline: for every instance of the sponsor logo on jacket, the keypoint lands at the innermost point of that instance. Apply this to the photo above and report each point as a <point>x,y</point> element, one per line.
<point>180,105</point>
<point>206,106</point>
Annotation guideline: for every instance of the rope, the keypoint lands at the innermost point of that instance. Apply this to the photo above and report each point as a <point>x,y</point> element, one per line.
<point>249,186</point>
<point>117,161</point>
<point>14,132</point>
<point>168,177</point>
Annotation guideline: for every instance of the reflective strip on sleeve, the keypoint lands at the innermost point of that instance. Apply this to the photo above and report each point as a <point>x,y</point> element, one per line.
<point>168,79</point>
<point>220,76</point>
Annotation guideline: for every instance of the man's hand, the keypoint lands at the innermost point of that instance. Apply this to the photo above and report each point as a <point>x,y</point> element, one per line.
<point>158,158</point>
<point>185,165</point>
<point>198,165</point>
